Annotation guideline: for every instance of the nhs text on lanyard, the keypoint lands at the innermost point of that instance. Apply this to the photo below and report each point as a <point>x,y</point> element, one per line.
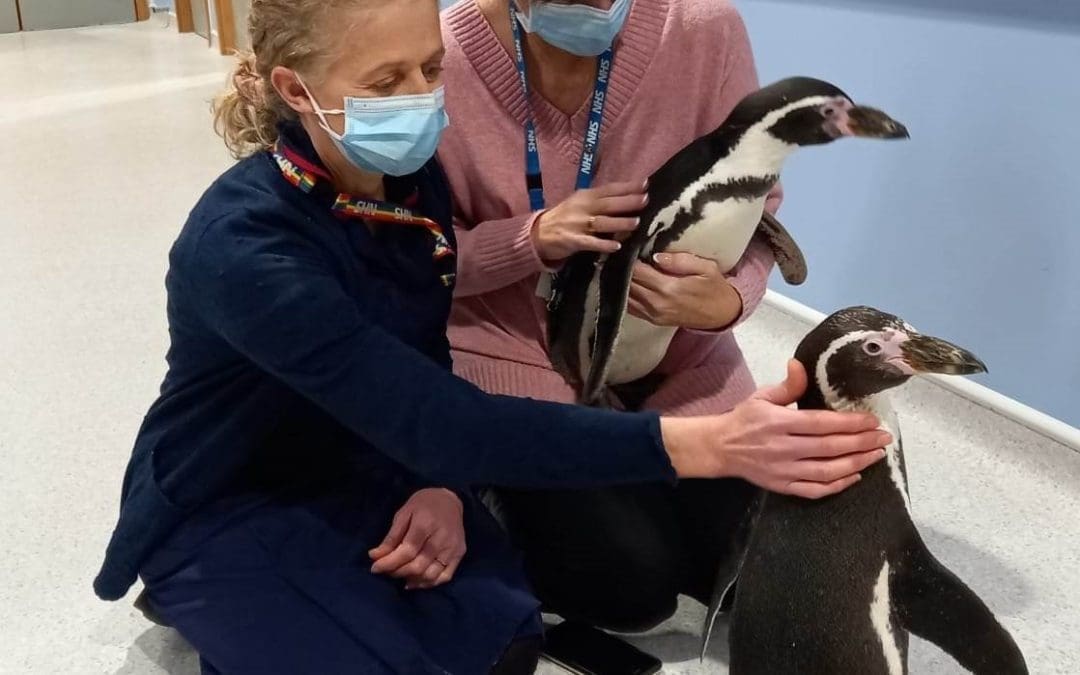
<point>533,178</point>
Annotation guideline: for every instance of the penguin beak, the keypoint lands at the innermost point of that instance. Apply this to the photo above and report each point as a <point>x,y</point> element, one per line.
<point>925,354</point>
<point>866,122</point>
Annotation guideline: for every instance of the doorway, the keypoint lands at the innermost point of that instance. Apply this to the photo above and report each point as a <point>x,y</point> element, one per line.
<point>200,18</point>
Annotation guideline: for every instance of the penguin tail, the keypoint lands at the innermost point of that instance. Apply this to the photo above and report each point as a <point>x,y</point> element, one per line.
<point>936,605</point>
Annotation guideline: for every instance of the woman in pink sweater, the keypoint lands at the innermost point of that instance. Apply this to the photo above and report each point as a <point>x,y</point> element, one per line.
<point>616,557</point>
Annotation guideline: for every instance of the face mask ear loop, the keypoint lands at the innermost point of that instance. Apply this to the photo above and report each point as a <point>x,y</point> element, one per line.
<point>320,112</point>
<point>521,16</point>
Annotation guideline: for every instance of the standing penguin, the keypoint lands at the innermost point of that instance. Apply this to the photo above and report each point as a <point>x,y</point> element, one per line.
<point>836,585</point>
<point>708,200</point>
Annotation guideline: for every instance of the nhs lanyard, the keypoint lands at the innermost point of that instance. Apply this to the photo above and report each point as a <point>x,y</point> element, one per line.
<point>533,179</point>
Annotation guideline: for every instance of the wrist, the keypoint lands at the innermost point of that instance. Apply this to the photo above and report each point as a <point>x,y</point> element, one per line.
<point>690,453</point>
<point>729,307</point>
<point>537,239</point>
<point>549,259</point>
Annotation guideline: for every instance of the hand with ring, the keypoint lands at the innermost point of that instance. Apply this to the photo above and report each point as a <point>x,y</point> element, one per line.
<point>426,541</point>
<point>574,225</point>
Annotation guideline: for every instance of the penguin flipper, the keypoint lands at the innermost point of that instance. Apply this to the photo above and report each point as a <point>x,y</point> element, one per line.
<point>936,605</point>
<point>566,318</point>
<point>728,573</point>
<point>613,290</point>
<point>789,257</point>
<point>726,576</point>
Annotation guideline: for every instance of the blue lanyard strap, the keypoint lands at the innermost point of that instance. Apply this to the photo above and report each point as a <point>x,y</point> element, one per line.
<point>533,179</point>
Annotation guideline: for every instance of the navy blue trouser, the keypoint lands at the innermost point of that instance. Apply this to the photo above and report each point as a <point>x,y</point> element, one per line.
<point>272,586</point>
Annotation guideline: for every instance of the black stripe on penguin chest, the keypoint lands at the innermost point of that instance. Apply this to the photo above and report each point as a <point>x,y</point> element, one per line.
<point>690,215</point>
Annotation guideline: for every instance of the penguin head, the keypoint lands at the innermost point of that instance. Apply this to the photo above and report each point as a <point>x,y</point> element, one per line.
<point>860,351</point>
<point>804,111</point>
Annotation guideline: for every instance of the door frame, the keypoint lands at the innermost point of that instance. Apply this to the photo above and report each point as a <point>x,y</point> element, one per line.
<point>185,22</point>
<point>226,28</point>
<point>226,20</point>
<point>185,18</point>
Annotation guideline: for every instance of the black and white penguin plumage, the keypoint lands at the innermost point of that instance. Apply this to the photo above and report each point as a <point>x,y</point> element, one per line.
<point>709,200</point>
<point>836,585</point>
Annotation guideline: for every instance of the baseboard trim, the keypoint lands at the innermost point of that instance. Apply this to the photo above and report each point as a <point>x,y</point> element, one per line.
<point>1027,416</point>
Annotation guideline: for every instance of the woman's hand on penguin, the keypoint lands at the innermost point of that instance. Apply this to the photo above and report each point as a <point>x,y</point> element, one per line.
<point>426,541</point>
<point>589,220</point>
<point>684,290</point>
<point>806,453</point>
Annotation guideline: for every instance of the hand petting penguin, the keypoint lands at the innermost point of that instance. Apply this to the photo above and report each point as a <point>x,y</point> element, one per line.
<point>836,585</point>
<point>709,200</point>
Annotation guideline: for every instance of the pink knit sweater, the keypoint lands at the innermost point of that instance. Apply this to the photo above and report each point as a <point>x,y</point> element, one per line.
<point>680,67</point>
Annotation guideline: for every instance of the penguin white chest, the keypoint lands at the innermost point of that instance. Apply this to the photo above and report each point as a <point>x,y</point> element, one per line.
<point>723,232</point>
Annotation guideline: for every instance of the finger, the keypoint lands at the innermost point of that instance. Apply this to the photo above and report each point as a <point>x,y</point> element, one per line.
<point>650,301</point>
<point>790,390</point>
<point>685,264</point>
<point>393,538</point>
<point>584,242</point>
<point>825,422</point>
<point>837,445</point>
<point>609,225</point>
<point>405,552</point>
<point>428,578</point>
<point>810,490</point>
<point>431,575</point>
<point>637,309</point>
<point>650,277</point>
<point>451,568</point>
<point>639,293</point>
<point>416,567</point>
<point>620,188</point>
<point>620,204</point>
<point>830,470</point>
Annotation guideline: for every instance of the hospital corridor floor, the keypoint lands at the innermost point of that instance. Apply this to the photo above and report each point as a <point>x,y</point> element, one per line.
<point>108,143</point>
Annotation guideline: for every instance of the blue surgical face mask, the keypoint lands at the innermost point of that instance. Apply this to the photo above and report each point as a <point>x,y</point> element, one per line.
<point>393,135</point>
<point>578,29</point>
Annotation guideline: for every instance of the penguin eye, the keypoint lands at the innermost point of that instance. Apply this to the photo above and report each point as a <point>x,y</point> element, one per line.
<point>829,112</point>
<point>872,348</point>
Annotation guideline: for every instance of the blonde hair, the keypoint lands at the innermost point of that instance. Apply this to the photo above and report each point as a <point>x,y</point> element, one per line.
<point>289,33</point>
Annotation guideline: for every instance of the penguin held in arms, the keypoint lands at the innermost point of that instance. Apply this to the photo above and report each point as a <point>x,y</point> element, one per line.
<point>709,200</point>
<point>836,585</point>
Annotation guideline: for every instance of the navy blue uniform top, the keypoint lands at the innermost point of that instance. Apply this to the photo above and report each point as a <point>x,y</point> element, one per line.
<point>302,341</point>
